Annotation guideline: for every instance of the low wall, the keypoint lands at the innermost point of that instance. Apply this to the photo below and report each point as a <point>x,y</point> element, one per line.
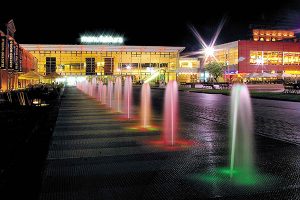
<point>266,87</point>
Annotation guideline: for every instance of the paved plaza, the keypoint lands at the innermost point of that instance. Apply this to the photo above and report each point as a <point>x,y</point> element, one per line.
<point>95,155</point>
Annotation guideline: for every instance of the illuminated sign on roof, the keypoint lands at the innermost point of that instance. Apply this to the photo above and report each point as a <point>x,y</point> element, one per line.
<point>102,39</point>
<point>272,35</point>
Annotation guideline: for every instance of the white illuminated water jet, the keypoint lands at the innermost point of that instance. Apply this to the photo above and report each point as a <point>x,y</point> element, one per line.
<point>241,132</point>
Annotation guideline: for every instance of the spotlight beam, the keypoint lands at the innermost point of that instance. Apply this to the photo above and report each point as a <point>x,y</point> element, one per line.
<point>207,50</point>
<point>217,33</point>
<point>198,36</point>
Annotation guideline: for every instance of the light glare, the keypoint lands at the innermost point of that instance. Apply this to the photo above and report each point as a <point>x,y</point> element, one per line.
<point>209,51</point>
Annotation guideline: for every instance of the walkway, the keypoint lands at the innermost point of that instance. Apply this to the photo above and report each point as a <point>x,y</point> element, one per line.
<point>93,156</point>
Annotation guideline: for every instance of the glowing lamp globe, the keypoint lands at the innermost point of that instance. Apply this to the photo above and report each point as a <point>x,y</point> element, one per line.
<point>209,51</point>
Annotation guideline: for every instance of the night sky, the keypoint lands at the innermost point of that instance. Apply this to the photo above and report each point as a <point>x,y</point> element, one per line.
<point>148,23</point>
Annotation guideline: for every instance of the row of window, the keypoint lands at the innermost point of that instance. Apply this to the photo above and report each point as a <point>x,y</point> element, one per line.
<point>107,53</point>
<point>89,68</point>
<point>142,65</point>
<point>274,58</point>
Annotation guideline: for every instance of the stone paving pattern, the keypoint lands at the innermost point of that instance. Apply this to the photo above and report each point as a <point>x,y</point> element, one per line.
<point>93,155</point>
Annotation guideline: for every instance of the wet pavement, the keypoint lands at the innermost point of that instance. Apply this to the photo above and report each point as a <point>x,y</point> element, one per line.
<point>95,155</point>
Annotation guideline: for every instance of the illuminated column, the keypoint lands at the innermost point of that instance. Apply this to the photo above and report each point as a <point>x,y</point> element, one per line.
<point>262,58</point>
<point>177,63</point>
<point>81,62</point>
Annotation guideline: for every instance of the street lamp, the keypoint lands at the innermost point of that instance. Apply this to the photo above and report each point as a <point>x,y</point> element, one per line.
<point>209,51</point>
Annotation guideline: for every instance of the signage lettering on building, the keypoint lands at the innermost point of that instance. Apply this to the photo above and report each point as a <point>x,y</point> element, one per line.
<point>2,53</point>
<point>20,59</point>
<point>16,57</point>
<point>102,39</point>
<point>11,54</point>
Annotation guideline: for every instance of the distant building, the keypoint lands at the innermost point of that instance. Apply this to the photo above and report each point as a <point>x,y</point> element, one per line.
<point>270,51</point>
<point>140,62</point>
<point>273,51</point>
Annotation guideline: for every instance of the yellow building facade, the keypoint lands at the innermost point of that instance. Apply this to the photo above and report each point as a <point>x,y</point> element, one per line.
<point>189,70</point>
<point>107,60</point>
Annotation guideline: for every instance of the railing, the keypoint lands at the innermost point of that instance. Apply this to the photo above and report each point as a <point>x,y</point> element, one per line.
<point>224,85</point>
<point>292,88</point>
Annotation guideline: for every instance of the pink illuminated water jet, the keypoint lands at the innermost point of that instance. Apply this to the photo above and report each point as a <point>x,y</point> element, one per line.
<point>170,128</point>
<point>109,93</point>
<point>128,97</point>
<point>170,140</point>
<point>100,86</point>
<point>94,88</point>
<point>145,105</point>
<point>103,96</point>
<point>118,95</point>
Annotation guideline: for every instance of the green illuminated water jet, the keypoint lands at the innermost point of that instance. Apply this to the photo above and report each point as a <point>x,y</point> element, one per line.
<point>241,171</point>
<point>241,133</point>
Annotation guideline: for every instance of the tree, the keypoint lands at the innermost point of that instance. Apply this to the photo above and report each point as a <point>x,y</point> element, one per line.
<point>215,69</point>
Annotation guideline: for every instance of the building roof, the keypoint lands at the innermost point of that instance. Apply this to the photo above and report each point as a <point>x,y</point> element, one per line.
<point>189,58</point>
<point>227,45</point>
<point>272,35</point>
<point>100,48</point>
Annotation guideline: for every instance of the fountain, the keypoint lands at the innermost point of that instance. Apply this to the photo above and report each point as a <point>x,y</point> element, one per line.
<point>94,87</point>
<point>90,93</point>
<point>170,139</point>
<point>118,94</point>
<point>100,86</point>
<point>145,105</point>
<point>103,96</point>
<point>128,97</point>
<point>109,93</point>
<point>240,177</point>
<point>170,127</point>
<point>241,132</point>
<point>85,87</point>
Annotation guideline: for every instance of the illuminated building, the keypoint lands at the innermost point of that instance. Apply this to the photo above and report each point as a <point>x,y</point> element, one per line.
<point>105,60</point>
<point>188,70</point>
<point>256,56</point>
<point>14,61</point>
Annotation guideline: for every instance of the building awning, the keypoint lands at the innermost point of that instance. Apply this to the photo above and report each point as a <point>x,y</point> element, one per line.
<point>31,75</point>
<point>261,75</point>
<point>186,70</point>
<point>100,48</point>
<point>52,75</point>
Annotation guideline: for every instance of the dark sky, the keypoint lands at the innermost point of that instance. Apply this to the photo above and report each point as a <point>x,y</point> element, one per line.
<point>147,22</point>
